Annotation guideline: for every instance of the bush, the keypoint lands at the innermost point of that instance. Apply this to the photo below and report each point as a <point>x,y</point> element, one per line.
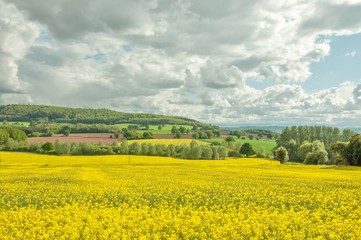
<point>281,154</point>
<point>48,147</point>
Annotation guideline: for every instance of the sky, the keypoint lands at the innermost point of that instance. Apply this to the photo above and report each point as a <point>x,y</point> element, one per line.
<point>220,62</point>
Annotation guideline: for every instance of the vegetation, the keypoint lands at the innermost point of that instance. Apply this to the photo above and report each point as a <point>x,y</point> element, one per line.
<point>51,114</point>
<point>349,153</point>
<point>110,197</point>
<point>247,149</point>
<point>297,140</point>
<point>281,154</point>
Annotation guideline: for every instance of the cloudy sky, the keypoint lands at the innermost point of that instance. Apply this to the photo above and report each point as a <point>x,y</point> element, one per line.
<point>231,61</point>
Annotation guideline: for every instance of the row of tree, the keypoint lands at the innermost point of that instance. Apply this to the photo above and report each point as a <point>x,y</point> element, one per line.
<point>319,145</point>
<point>53,114</point>
<point>192,151</point>
<point>9,133</point>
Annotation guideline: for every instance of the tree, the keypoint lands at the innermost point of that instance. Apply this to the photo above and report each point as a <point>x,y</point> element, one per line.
<point>116,134</point>
<point>247,149</point>
<point>195,135</point>
<point>281,154</point>
<point>354,150</point>
<point>135,148</point>
<point>340,149</point>
<point>316,157</point>
<point>178,134</point>
<point>318,154</point>
<point>222,152</point>
<point>160,127</point>
<point>195,152</point>
<point>66,133</point>
<point>124,148</point>
<point>182,129</point>
<point>229,139</point>
<point>209,133</point>
<point>207,153</point>
<point>48,147</point>
<point>174,130</point>
<point>4,136</point>
<point>303,150</point>
<point>147,135</point>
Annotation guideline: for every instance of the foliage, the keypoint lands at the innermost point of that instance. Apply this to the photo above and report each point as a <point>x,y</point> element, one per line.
<point>48,147</point>
<point>41,114</point>
<point>4,136</point>
<point>349,152</point>
<point>229,139</point>
<point>247,149</point>
<point>281,154</point>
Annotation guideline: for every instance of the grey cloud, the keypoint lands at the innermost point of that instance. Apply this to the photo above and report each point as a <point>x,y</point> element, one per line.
<point>72,19</point>
<point>334,17</point>
<point>16,35</point>
<point>189,58</point>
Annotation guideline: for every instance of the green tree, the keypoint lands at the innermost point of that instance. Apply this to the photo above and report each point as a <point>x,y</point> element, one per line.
<point>174,130</point>
<point>135,148</point>
<point>340,149</point>
<point>4,136</point>
<point>182,129</point>
<point>48,147</point>
<point>229,139</point>
<point>222,152</point>
<point>178,134</point>
<point>124,148</point>
<point>281,154</point>
<point>147,135</point>
<point>303,150</point>
<point>354,150</point>
<point>195,135</point>
<point>318,155</point>
<point>207,153</point>
<point>247,149</point>
<point>116,134</point>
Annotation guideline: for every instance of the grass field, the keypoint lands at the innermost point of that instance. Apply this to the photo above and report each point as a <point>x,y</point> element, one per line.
<point>154,128</point>
<point>167,141</point>
<point>103,197</point>
<point>256,144</point>
<point>26,124</point>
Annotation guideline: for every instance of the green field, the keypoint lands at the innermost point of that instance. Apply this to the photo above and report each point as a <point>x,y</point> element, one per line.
<point>117,197</point>
<point>256,144</point>
<point>154,128</point>
<point>26,124</point>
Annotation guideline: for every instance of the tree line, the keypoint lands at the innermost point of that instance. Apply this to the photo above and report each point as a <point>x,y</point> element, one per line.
<point>53,114</point>
<point>194,150</point>
<point>318,145</point>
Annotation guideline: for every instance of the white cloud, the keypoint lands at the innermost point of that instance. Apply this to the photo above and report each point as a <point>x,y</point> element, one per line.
<point>190,58</point>
<point>351,54</point>
<point>16,36</point>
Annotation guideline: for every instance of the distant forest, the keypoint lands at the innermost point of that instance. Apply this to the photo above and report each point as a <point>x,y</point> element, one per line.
<point>53,114</point>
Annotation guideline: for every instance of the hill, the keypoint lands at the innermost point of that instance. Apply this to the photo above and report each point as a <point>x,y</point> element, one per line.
<point>54,114</point>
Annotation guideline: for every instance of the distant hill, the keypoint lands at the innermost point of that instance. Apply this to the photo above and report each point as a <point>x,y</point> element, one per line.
<point>250,127</point>
<point>28,113</point>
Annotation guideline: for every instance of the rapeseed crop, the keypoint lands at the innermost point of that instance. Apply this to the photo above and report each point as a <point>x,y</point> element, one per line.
<point>105,197</point>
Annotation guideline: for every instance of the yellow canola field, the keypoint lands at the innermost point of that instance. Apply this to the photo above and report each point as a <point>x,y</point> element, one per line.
<point>103,197</point>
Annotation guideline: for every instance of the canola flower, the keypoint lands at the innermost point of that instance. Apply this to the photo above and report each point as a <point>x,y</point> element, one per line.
<point>103,197</point>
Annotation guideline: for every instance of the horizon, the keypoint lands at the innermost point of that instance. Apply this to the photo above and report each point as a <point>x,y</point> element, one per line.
<point>235,62</point>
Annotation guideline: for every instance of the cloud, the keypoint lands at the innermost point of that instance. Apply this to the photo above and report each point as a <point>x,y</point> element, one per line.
<point>16,36</point>
<point>351,54</point>
<point>189,58</point>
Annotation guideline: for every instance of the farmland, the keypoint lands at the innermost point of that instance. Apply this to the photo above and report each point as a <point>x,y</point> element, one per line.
<point>257,144</point>
<point>105,197</point>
